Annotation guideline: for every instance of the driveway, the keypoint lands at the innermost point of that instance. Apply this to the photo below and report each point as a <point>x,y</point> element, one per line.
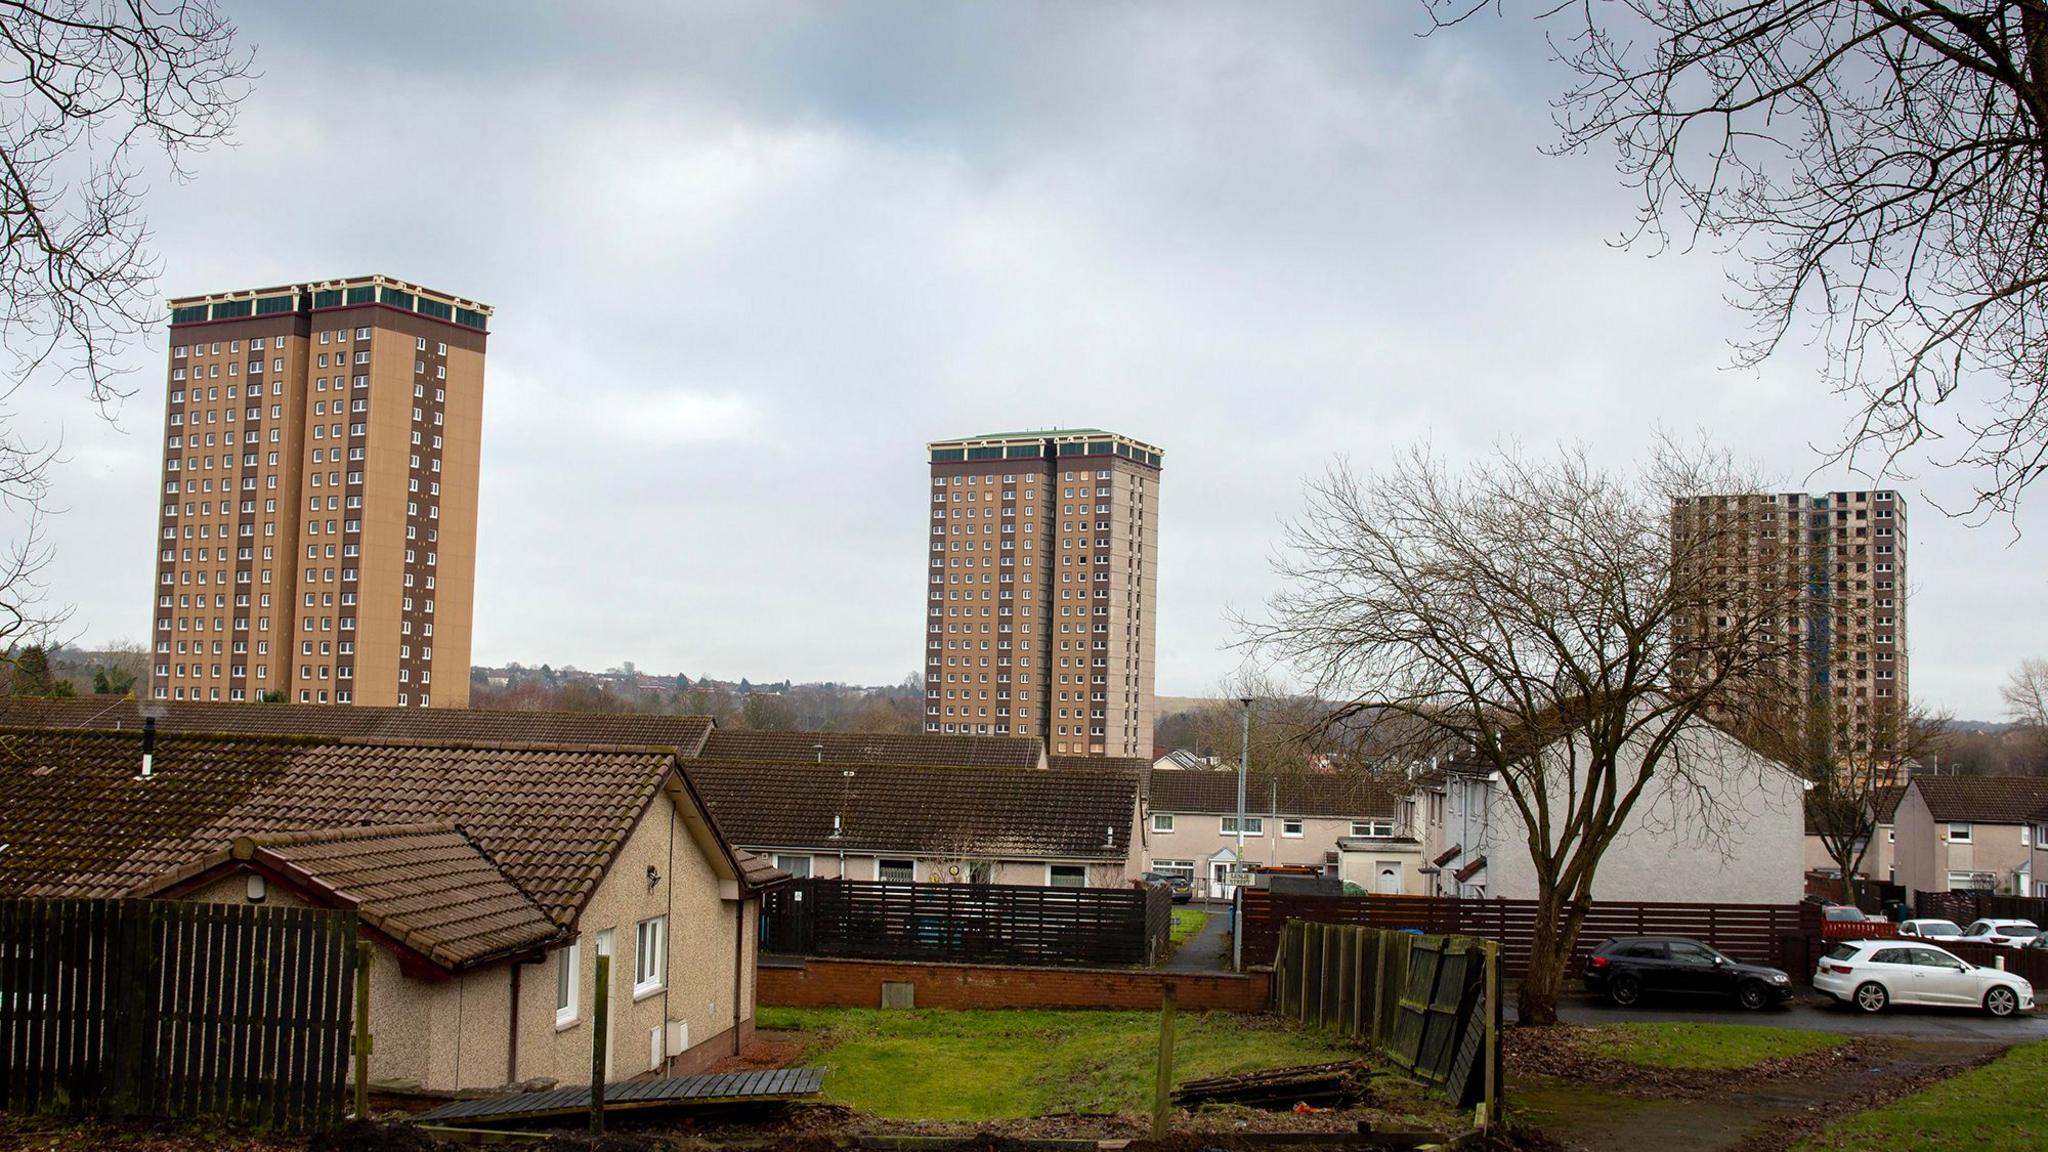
<point>1810,1012</point>
<point>1207,950</point>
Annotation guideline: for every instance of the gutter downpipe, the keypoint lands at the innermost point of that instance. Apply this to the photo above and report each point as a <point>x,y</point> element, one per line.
<point>512,1034</point>
<point>739,955</point>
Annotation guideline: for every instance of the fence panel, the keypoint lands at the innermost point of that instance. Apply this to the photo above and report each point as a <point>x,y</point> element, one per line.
<point>967,923</point>
<point>1963,907</point>
<point>160,1008</point>
<point>1758,933</point>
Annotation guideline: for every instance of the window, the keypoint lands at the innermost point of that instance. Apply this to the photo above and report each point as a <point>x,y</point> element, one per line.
<point>568,983</point>
<point>797,866</point>
<point>1253,825</point>
<point>650,955</point>
<point>895,871</point>
<point>1971,881</point>
<point>1290,826</point>
<point>1378,829</point>
<point>1959,833</point>
<point>1162,821</point>
<point>1067,876</point>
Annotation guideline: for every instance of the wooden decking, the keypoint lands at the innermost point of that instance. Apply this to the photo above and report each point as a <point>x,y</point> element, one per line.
<point>669,1092</point>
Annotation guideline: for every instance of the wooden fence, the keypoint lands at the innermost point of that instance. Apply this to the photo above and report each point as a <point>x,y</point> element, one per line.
<point>1431,1003</point>
<point>967,923</point>
<point>1963,907</point>
<point>1785,935</point>
<point>158,1008</point>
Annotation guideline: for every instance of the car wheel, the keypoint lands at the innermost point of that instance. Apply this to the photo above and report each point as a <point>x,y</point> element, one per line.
<point>1872,997</point>
<point>1624,990</point>
<point>2001,1002</point>
<point>1753,996</point>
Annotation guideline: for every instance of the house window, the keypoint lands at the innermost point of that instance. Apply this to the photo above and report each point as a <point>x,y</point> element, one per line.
<point>895,871</point>
<point>568,982</point>
<point>1959,833</point>
<point>1971,881</point>
<point>1162,821</point>
<point>1380,829</point>
<point>1253,825</point>
<point>797,866</point>
<point>981,872</point>
<point>650,955</point>
<point>1067,876</point>
<point>1290,826</point>
<point>1175,868</point>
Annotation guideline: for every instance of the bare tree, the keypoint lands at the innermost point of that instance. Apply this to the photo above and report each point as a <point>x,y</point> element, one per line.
<point>1878,167</point>
<point>1560,625</point>
<point>2025,693</point>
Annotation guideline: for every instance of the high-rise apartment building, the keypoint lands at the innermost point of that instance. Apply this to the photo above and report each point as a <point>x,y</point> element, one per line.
<point>317,541</point>
<point>1828,572</point>
<point>1043,577</point>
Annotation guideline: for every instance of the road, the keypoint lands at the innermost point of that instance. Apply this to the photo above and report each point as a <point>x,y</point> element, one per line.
<point>1809,1012</point>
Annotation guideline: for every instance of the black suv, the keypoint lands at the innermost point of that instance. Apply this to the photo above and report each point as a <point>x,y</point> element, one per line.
<point>1626,967</point>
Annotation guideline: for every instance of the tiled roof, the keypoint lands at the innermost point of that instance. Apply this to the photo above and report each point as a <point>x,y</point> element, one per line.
<point>1885,801</point>
<point>78,823</point>
<point>1339,795</point>
<point>985,812</point>
<point>428,887</point>
<point>1983,799</point>
<point>686,734</point>
<point>1135,765</point>
<point>866,748</point>
<point>758,871</point>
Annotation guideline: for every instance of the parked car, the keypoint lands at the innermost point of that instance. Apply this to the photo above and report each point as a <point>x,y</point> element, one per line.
<point>1182,888</point>
<point>1843,912</point>
<point>2004,933</point>
<point>1626,968</point>
<point>1875,974</point>
<point>1929,929</point>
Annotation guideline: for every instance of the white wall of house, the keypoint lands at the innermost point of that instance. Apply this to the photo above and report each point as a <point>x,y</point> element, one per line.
<point>1393,866</point>
<point>1730,828</point>
<point>1201,842</point>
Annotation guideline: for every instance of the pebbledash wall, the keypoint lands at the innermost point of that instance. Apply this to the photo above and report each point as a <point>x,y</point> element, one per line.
<point>816,983</point>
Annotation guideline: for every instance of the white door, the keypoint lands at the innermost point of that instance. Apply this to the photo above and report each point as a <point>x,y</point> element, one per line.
<point>1388,881</point>
<point>1904,981</point>
<point>620,981</point>
<point>1219,879</point>
<point>1945,980</point>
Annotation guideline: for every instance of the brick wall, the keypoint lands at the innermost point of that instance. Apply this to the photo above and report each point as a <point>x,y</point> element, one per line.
<point>818,983</point>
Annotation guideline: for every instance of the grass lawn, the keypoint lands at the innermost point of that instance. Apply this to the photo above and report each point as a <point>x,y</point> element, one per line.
<point>1996,1108</point>
<point>1686,1045</point>
<point>1186,922</point>
<point>995,1065</point>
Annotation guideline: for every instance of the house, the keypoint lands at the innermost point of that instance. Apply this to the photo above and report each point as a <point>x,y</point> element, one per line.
<point>1877,858</point>
<point>1728,829</point>
<point>489,877</point>
<point>2037,855</point>
<point>1968,832</point>
<point>1347,825</point>
<point>1060,826</point>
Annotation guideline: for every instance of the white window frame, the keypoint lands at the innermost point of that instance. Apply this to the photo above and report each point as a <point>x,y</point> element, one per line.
<point>650,956</point>
<point>1051,868</point>
<point>1373,829</point>
<point>1299,824</point>
<point>1253,825</point>
<point>784,859</point>
<point>911,879</point>
<point>1960,832</point>
<point>569,964</point>
<point>1162,823</point>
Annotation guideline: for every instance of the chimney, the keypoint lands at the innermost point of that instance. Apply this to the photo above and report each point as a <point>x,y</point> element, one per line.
<point>148,747</point>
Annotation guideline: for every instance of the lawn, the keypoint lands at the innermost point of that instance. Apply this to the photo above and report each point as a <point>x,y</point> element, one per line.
<point>1186,922</point>
<point>1717,1046</point>
<point>1996,1108</point>
<point>994,1065</point>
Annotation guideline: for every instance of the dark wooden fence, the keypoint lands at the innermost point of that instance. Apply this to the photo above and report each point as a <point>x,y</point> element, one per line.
<point>158,1008</point>
<point>1963,907</point>
<point>967,923</point>
<point>1785,935</point>
<point>1431,1003</point>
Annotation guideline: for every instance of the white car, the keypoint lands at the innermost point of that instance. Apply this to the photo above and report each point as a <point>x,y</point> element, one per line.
<point>1874,974</point>
<point>1929,929</point>
<point>2004,933</point>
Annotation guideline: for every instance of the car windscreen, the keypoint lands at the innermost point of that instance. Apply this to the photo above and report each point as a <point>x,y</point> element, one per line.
<point>1840,952</point>
<point>1939,928</point>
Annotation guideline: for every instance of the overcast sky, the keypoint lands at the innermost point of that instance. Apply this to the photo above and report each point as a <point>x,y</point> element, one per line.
<point>747,259</point>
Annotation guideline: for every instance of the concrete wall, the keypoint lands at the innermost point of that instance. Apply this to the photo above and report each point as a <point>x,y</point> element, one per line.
<point>1361,866</point>
<point>858,984</point>
<point>1728,828</point>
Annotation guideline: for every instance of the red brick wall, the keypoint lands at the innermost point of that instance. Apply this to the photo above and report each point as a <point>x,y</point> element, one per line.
<point>858,984</point>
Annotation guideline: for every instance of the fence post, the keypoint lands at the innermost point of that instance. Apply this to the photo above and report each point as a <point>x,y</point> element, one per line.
<point>600,1026</point>
<point>365,952</point>
<point>1162,1089</point>
<point>1489,1103</point>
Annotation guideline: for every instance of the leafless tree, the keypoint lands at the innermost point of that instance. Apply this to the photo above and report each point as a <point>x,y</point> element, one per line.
<point>2025,693</point>
<point>1557,623</point>
<point>1878,167</point>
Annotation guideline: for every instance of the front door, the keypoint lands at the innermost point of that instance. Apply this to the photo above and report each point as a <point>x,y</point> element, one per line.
<point>1388,881</point>
<point>1219,879</point>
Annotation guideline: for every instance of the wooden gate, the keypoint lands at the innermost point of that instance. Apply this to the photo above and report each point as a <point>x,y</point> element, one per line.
<point>159,1008</point>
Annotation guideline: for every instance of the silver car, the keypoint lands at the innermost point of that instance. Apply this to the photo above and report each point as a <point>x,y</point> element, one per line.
<point>1875,974</point>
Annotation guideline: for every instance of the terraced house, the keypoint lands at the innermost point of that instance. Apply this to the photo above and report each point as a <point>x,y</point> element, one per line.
<point>489,876</point>
<point>1342,824</point>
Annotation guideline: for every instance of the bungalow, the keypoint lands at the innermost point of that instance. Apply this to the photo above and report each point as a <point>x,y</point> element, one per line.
<point>1060,826</point>
<point>1969,832</point>
<point>1727,830</point>
<point>1346,825</point>
<point>489,877</point>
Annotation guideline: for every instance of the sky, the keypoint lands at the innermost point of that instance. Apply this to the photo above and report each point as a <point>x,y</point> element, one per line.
<point>747,259</point>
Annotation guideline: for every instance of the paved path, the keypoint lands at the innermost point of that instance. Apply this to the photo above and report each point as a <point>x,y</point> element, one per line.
<point>1811,1013</point>
<point>1206,951</point>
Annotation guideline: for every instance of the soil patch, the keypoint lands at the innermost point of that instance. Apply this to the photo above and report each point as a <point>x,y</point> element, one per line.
<point>1572,1054</point>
